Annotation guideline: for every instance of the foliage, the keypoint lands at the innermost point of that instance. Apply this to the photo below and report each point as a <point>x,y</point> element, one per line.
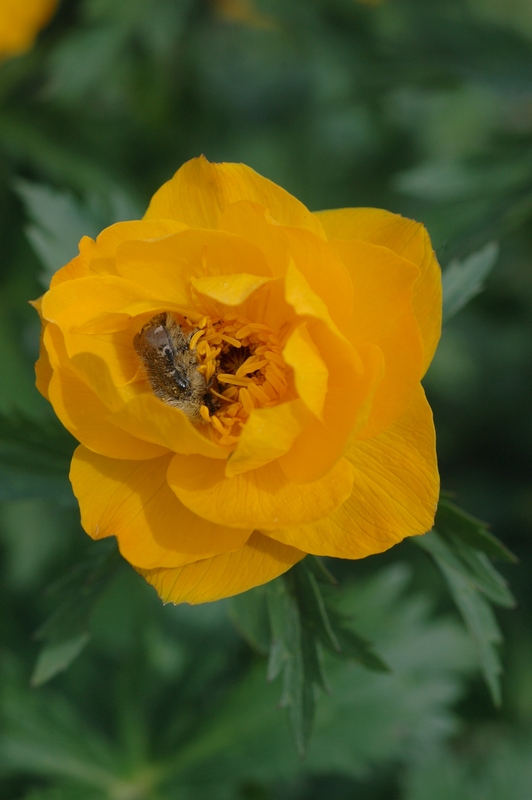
<point>419,108</point>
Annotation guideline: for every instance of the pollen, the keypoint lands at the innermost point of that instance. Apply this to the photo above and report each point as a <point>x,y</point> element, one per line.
<point>243,365</point>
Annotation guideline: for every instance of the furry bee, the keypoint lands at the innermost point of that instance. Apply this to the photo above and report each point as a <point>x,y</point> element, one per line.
<point>172,367</point>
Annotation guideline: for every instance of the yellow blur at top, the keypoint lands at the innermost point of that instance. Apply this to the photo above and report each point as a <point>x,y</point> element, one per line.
<point>20,22</point>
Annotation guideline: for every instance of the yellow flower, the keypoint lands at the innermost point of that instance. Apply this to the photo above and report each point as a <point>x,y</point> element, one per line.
<point>244,378</point>
<point>20,22</point>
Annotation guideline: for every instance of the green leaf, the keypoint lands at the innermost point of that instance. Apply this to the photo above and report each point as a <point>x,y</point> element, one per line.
<point>43,734</point>
<point>488,580</point>
<point>65,632</point>
<point>467,592</point>
<point>310,600</point>
<point>452,520</point>
<point>353,645</point>
<point>291,619</point>
<point>249,614</point>
<point>34,459</point>
<point>320,571</point>
<point>463,280</point>
<point>294,653</point>
<point>493,767</point>
<point>321,617</point>
<point>57,656</point>
<point>370,718</point>
<point>59,220</point>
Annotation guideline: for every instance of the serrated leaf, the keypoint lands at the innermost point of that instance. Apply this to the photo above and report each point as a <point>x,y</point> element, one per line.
<point>249,614</point>
<point>284,624</point>
<point>490,768</point>
<point>463,280</point>
<point>34,459</point>
<point>321,573</point>
<point>299,699</point>
<point>58,223</point>
<point>65,632</point>
<point>295,653</point>
<point>450,519</point>
<point>43,735</point>
<point>475,610</point>
<point>488,580</point>
<point>355,646</point>
<point>301,622</point>
<point>57,656</point>
<point>369,719</point>
<point>59,220</point>
<point>310,600</point>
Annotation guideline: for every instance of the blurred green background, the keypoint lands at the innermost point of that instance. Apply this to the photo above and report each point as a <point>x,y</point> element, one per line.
<point>422,108</point>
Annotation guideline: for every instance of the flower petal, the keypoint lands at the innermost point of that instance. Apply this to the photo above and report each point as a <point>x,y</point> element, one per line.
<point>43,371</point>
<point>353,378</point>
<point>315,259</point>
<point>111,238</point>
<point>310,371</point>
<point>86,417</point>
<point>324,272</point>
<point>304,301</point>
<point>97,257</point>
<point>92,368</point>
<point>395,491</point>
<point>132,501</point>
<point>263,498</point>
<point>200,191</point>
<point>383,316</point>
<point>267,434</point>
<point>82,411</point>
<point>406,238</point>
<point>231,290</point>
<point>78,267</point>
<point>253,222</point>
<point>73,303</point>
<point>153,420</point>
<point>260,560</point>
<point>43,368</point>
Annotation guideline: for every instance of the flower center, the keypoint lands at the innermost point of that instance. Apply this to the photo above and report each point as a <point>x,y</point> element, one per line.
<point>244,368</point>
<point>217,371</point>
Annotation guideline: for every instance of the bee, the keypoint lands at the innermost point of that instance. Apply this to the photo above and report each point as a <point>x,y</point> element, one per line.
<point>172,367</point>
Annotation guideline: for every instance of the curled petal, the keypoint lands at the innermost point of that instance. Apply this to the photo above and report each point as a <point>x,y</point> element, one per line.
<point>352,381</point>
<point>304,301</point>
<point>173,261</point>
<point>86,417</point>
<point>132,501</point>
<point>78,267</point>
<point>231,290</point>
<point>264,497</point>
<point>324,272</point>
<point>155,421</point>
<point>383,316</point>
<point>310,371</point>
<point>83,413</point>
<point>268,434</point>
<point>395,491</point>
<point>200,192</point>
<point>260,560</point>
<point>109,240</point>
<point>408,239</point>
<point>97,257</point>
<point>73,303</point>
